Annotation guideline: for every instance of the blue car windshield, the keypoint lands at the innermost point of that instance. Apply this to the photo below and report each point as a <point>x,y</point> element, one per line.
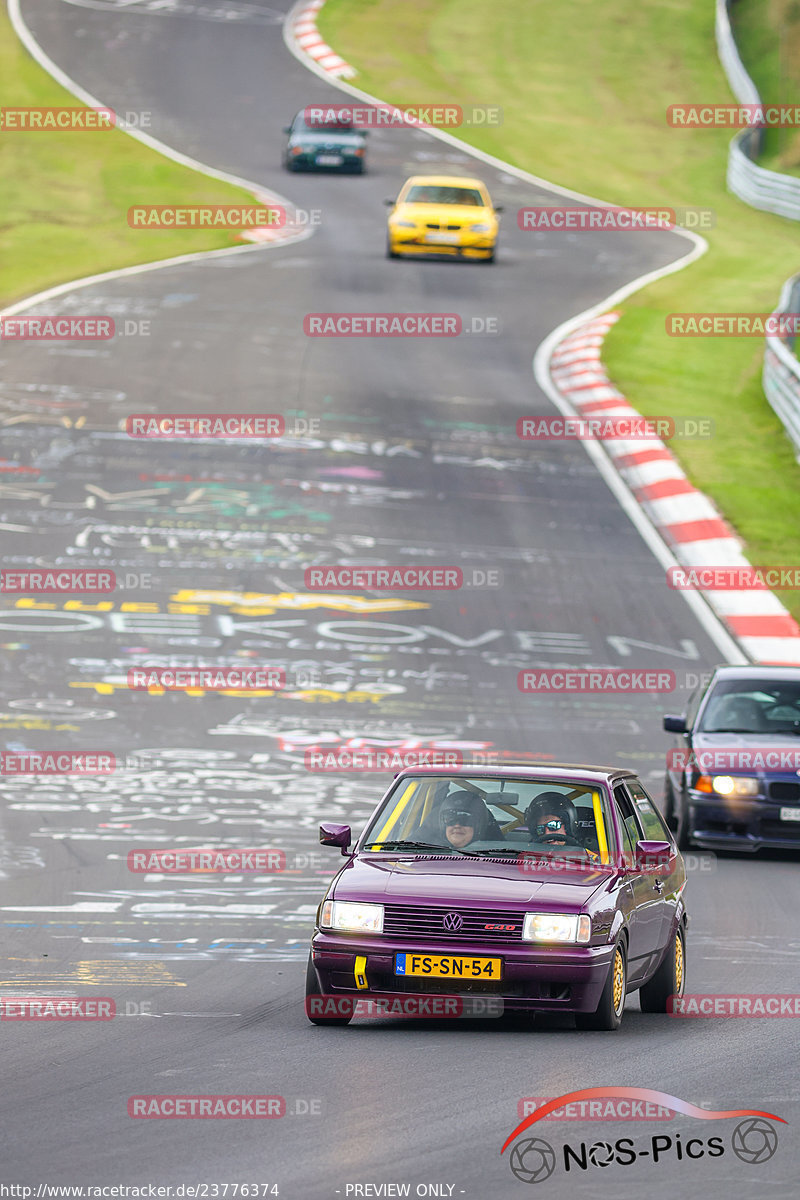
<point>330,126</point>
<point>758,706</point>
<point>457,813</point>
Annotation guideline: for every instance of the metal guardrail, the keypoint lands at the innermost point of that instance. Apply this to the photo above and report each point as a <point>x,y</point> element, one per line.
<point>769,191</point>
<point>781,374</point>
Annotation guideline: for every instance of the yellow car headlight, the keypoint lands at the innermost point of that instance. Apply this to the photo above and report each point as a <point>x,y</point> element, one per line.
<point>351,917</point>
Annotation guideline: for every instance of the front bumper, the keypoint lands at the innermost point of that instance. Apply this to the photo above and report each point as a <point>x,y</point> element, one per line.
<point>535,978</point>
<point>309,161</point>
<point>717,822</point>
<point>469,245</point>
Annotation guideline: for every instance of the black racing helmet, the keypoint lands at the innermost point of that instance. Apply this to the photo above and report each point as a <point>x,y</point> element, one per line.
<point>464,808</point>
<point>555,803</point>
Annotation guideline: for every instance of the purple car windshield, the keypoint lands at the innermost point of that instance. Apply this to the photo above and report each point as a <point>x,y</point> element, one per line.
<point>457,814</point>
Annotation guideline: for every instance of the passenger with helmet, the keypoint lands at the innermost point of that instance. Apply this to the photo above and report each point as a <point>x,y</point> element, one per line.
<point>462,818</point>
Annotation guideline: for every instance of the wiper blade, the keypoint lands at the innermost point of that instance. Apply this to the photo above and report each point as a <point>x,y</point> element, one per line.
<point>728,731</point>
<point>403,845</point>
<point>494,853</point>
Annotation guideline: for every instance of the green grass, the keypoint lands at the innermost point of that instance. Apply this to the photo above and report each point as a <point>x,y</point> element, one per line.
<point>64,197</point>
<point>767,33</point>
<point>584,88</point>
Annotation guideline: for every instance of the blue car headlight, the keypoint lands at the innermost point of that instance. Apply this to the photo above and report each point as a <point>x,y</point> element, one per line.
<point>734,785</point>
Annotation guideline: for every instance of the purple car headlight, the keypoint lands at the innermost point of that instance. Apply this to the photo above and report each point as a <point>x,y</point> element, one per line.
<point>351,917</point>
<point>557,927</point>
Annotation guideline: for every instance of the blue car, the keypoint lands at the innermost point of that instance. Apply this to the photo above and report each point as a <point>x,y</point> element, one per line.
<point>733,774</point>
<point>320,143</point>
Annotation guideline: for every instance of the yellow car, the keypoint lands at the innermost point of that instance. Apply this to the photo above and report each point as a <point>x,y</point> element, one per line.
<point>443,215</point>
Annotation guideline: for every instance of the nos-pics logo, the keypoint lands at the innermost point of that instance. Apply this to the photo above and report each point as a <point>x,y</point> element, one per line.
<point>533,1159</point>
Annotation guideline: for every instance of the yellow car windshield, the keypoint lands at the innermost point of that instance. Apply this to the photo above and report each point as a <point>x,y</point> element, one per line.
<point>427,194</point>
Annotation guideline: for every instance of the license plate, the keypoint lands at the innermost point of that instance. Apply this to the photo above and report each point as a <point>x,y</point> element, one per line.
<point>790,814</point>
<point>447,966</point>
<point>330,160</point>
<point>447,239</point>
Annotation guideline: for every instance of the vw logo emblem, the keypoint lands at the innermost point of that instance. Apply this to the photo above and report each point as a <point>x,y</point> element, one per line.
<point>453,922</point>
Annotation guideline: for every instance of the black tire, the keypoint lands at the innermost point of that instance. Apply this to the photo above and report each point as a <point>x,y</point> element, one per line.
<point>669,979</point>
<point>313,989</point>
<point>669,802</point>
<point>608,1013</point>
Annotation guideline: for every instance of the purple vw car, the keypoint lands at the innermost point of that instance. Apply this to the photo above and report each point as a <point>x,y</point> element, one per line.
<point>554,889</point>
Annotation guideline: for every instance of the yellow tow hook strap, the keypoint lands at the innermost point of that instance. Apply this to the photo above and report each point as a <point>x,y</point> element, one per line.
<point>360,972</point>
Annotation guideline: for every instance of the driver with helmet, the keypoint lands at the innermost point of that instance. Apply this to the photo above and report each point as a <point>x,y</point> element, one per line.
<point>551,819</point>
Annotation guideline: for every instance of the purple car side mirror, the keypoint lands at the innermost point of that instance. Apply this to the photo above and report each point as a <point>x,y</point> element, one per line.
<point>335,835</point>
<point>653,854</point>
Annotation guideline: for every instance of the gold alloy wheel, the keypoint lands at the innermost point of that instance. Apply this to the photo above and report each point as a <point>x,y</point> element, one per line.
<point>678,964</point>
<point>619,980</point>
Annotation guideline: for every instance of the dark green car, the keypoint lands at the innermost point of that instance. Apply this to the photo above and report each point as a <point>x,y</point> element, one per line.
<point>333,146</point>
